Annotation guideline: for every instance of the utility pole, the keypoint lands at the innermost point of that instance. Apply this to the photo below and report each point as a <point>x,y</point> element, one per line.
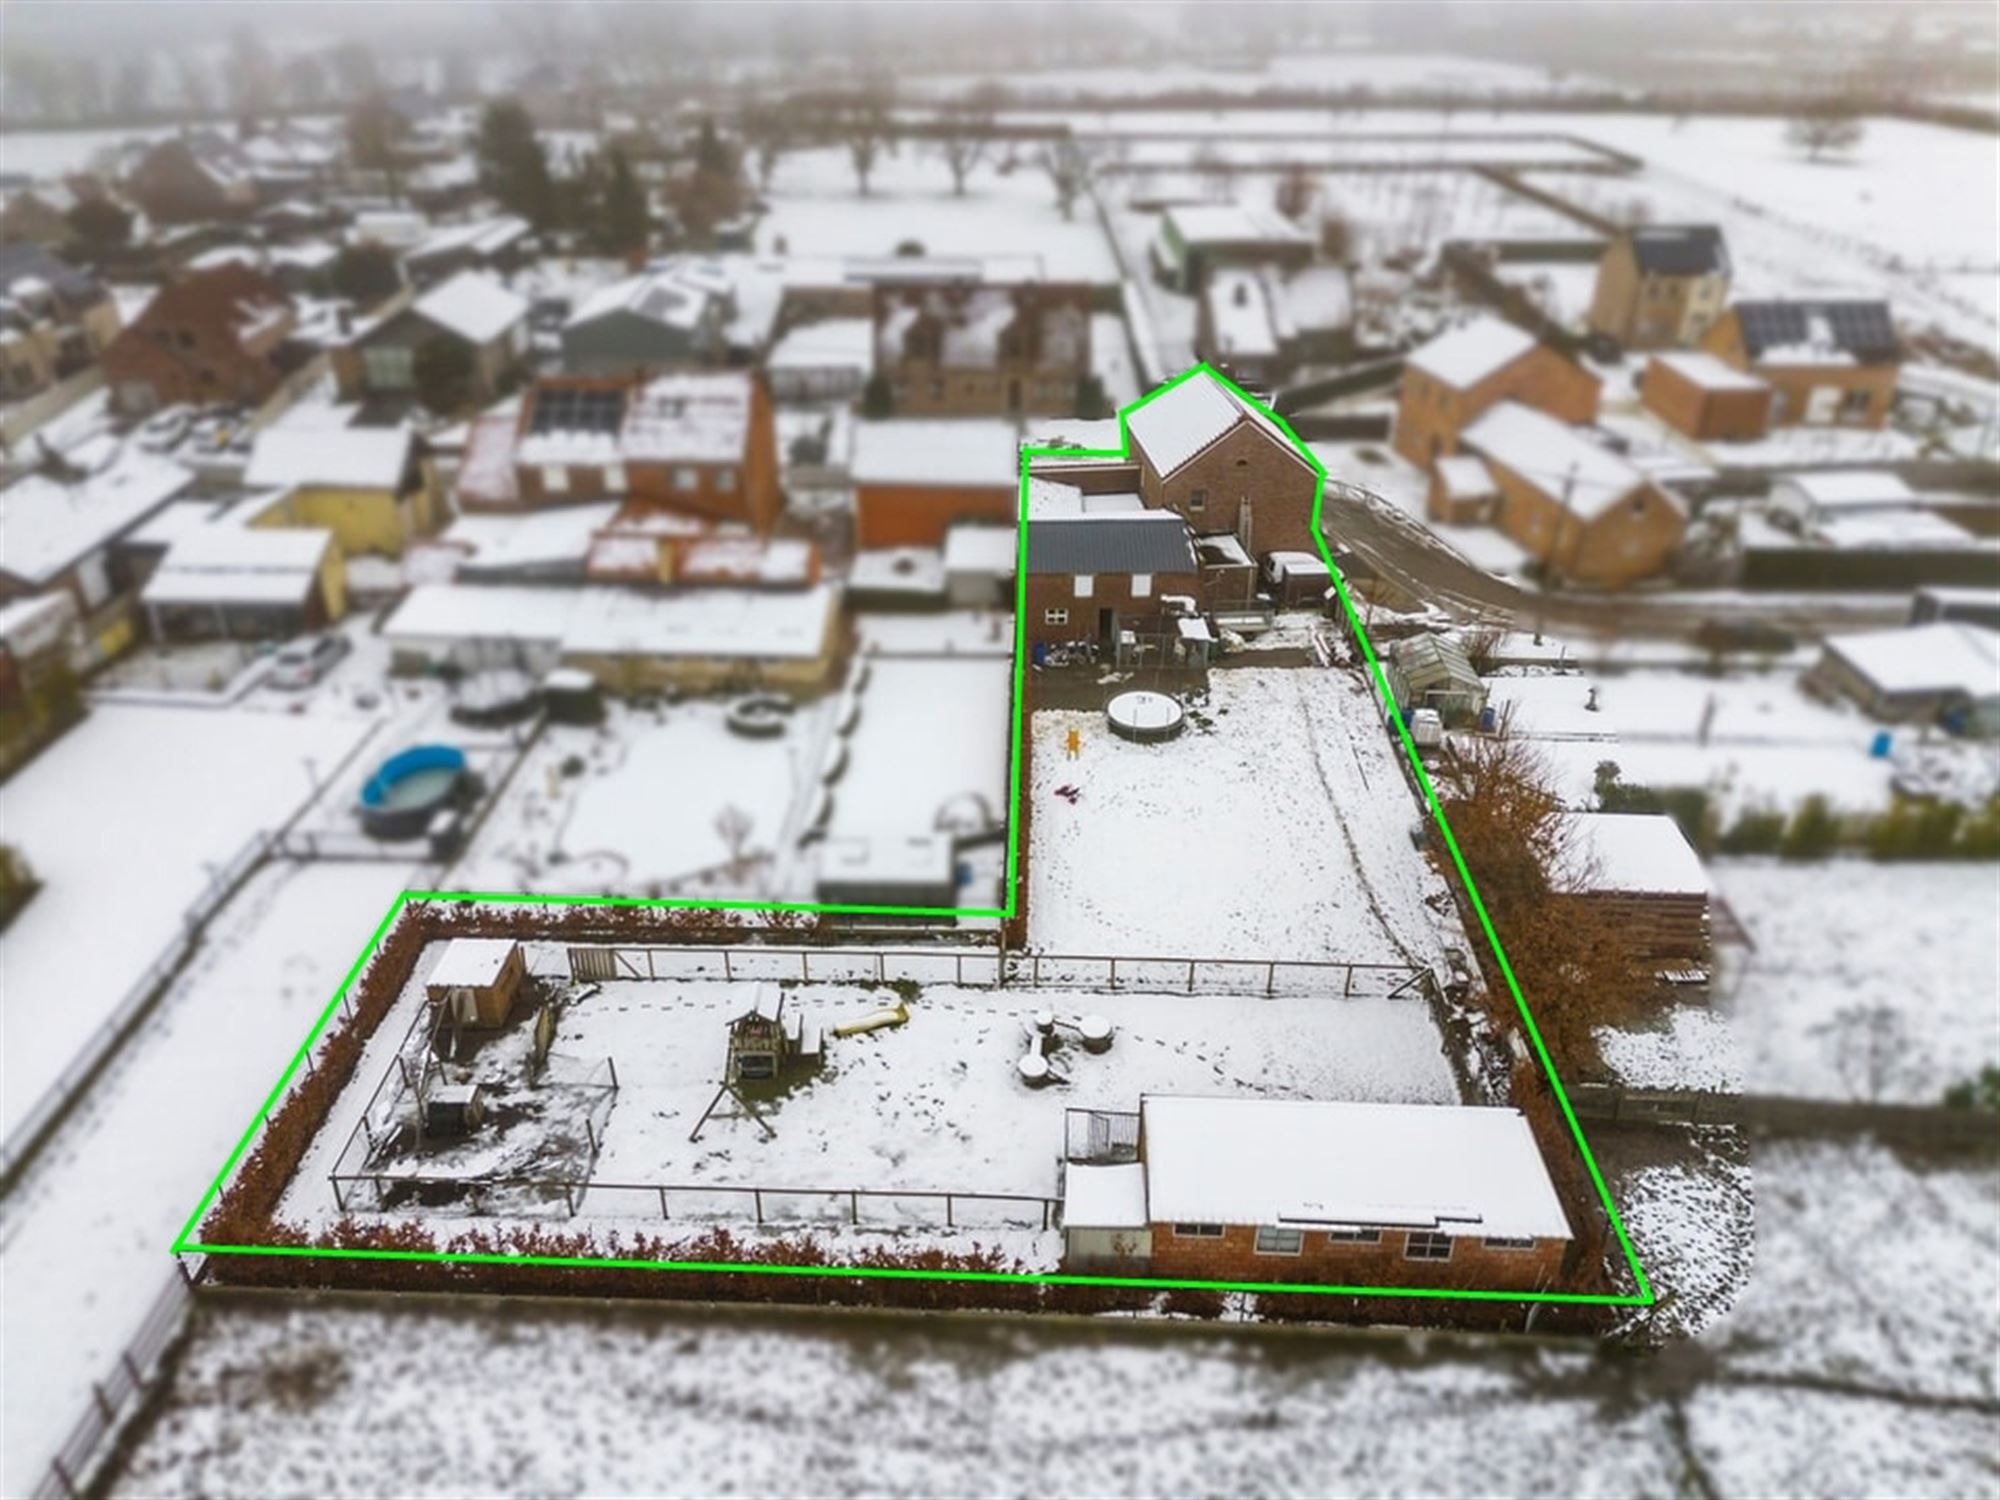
<point>1549,557</point>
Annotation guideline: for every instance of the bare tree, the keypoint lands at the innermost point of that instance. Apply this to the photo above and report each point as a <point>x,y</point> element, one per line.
<point>1871,1049</point>
<point>1069,167</point>
<point>1296,192</point>
<point>1831,125</point>
<point>769,131</point>
<point>963,143</point>
<point>733,827</point>
<point>865,128</point>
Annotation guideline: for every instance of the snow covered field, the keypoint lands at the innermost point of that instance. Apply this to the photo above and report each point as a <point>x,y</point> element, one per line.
<point>86,1235</point>
<point>1276,826</point>
<point>124,820</point>
<point>1840,940</point>
<point>1836,1374</point>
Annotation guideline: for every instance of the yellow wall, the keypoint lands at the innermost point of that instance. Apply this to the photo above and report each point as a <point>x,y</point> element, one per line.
<point>333,583</point>
<point>360,520</point>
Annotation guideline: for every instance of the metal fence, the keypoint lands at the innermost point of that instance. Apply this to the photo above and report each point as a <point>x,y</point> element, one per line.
<point>133,1375</point>
<point>1100,1137</point>
<point>988,968</point>
<point>27,1137</point>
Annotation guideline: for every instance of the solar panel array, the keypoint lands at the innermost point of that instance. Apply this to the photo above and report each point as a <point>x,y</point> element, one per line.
<point>1862,329</point>
<point>573,409</point>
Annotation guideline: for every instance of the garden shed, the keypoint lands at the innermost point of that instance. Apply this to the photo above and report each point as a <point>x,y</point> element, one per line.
<point>479,979</point>
<point>1433,671</point>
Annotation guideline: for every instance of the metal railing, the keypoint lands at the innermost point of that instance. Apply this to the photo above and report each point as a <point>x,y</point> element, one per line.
<point>133,1375</point>
<point>27,1137</point>
<point>1100,1137</point>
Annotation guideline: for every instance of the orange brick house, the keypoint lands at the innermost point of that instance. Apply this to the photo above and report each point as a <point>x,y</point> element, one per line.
<point>1575,506</point>
<point>1830,363</point>
<point>1699,396</point>
<point>1253,1189</point>
<point>960,349</point>
<point>1094,575</point>
<point>1451,381</point>
<point>915,479</point>
<point>1659,286</point>
<point>1224,467</point>
<point>216,335</point>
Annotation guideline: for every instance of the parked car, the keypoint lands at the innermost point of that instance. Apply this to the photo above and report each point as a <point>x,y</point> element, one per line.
<point>303,662</point>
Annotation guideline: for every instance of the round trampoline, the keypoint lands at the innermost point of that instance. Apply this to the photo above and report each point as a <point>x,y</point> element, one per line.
<point>408,788</point>
<point>1144,717</point>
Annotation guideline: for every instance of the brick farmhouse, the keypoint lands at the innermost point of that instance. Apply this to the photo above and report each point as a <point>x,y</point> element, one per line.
<point>1450,382</point>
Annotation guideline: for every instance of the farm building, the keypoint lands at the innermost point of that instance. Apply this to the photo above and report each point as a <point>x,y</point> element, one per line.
<point>1450,382</point>
<point>1701,397</point>
<point>478,978</point>
<point>1641,872</point>
<point>1251,1189</point>
<point>1432,671</point>
<point>1947,670</point>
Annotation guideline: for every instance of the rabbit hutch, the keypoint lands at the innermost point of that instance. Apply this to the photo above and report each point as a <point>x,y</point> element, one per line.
<point>476,982</point>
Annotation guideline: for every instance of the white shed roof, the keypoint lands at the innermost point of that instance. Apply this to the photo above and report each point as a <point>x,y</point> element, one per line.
<point>360,458</point>
<point>1849,489</point>
<point>1111,1197</point>
<point>1948,655</point>
<point>974,452</point>
<point>477,308</point>
<point>1640,853</point>
<point>1455,1168</point>
<point>472,961</point>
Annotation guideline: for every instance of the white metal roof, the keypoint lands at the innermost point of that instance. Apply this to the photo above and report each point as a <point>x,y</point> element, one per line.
<point>1098,1197</point>
<point>472,961</point>
<point>968,452</point>
<point>361,458</point>
<point>475,307</point>
<point>1640,853</point>
<point>1455,1168</point>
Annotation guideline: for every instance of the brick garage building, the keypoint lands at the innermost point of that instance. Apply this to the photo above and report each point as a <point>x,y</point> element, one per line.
<point>1245,1189</point>
<point>915,480</point>
<point>1453,380</point>
<point>1831,364</point>
<point>1092,575</point>
<point>1698,395</point>
<point>1223,466</point>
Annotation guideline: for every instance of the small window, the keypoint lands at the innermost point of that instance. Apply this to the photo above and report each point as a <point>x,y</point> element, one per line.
<point>1509,1242</point>
<point>1354,1236</point>
<point>725,480</point>
<point>1142,585</point>
<point>685,478</point>
<point>1055,617</point>
<point>555,479</point>
<point>614,478</point>
<point>1427,1245</point>
<point>1086,585</point>
<point>1197,1231</point>
<point>1280,1241</point>
<point>1197,499</point>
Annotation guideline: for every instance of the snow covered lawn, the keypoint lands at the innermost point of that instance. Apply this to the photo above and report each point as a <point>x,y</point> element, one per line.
<point>124,820</point>
<point>1868,979</point>
<point>1276,827</point>
<point>87,1233</point>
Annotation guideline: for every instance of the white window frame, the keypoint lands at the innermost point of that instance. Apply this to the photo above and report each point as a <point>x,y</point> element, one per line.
<point>1084,585</point>
<point>555,479</point>
<point>725,480</point>
<point>1142,585</point>
<point>1055,617</point>
<point>1509,1242</point>
<point>685,478</point>
<point>1197,1231</point>
<point>1197,499</point>
<point>1426,1236</point>
<point>1269,1234</point>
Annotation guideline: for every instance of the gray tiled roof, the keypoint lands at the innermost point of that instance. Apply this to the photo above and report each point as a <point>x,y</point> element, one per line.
<point>1154,541</point>
<point>1680,250</point>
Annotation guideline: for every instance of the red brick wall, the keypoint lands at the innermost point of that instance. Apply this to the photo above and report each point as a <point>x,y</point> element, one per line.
<point>1048,591</point>
<point>1430,414</point>
<point>918,515</point>
<point>1702,413</point>
<point>1249,466</point>
<point>1234,1257</point>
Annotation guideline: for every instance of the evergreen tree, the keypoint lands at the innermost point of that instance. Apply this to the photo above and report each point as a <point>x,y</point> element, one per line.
<point>627,221</point>
<point>877,398</point>
<point>1813,833</point>
<point>512,164</point>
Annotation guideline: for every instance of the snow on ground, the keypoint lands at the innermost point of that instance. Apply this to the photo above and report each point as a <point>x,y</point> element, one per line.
<point>86,1235</point>
<point>1841,941</point>
<point>815,210</point>
<point>934,1104</point>
<point>1276,826</point>
<point>124,819</point>
<point>1379,72</point>
<point>1111,359</point>
<point>1685,1047</point>
<point>1690,1212</point>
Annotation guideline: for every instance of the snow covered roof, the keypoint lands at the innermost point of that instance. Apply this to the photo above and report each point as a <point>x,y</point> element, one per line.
<point>1708,372</point>
<point>1180,422</point>
<point>479,237</point>
<point>842,343</point>
<point>1847,489</point>
<point>689,418</point>
<point>475,307</point>
<point>475,962</point>
<point>605,621</point>
<point>1468,354</point>
<point>48,522</point>
<point>1240,314</point>
<point>1231,224</point>
<point>670,295</point>
<point>226,563</point>
<point>1111,1197</point>
<point>1945,656</point>
<point>361,458</point>
<point>973,452</point>
<point>1546,452</point>
<point>1919,529</point>
<point>981,549</point>
<point>1465,477</point>
<point>1454,1168</point>
<point>1641,853</point>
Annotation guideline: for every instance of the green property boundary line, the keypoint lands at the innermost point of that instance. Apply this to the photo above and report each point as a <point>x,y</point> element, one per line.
<point>187,1242</point>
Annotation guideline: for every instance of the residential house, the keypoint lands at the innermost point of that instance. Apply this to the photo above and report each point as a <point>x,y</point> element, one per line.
<point>61,525</point>
<point>1947,671</point>
<point>673,315</point>
<point>955,349</point>
<point>1194,238</point>
<point>1700,397</point>
<point>1660,286</point>
<point>1092,577</point>
<point>371,487</point>
<point>1830,363</point>
<point>1451,381</point>
<point>914,480</point>
<point>473,310</point>
<point>220,335</point>
<point>38,214</point>
<point>193,179</point>
<point>1249,1189</point>
<point>1462,491</point>
<point>1224,466</point>
<point>1579,509</point>
<point>1259,324</point>
<point>1639,873</point>
<point>499,244</point>
<point>54,320</point>
<point>232,581</point>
